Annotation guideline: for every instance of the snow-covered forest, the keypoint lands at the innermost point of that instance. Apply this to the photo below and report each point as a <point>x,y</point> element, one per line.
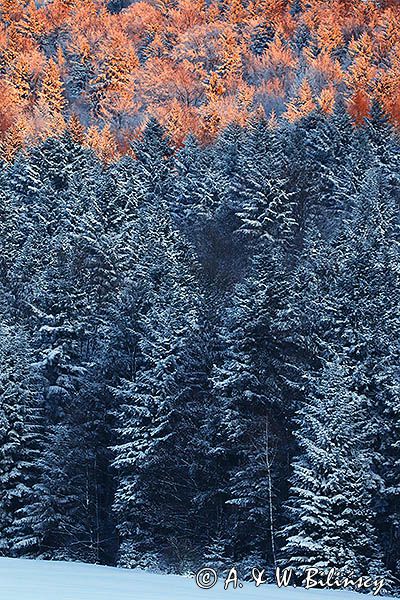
<point>199,350</point>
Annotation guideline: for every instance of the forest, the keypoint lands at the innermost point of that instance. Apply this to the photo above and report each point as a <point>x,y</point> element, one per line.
<point>200,349</point>
<point>200,284</point>
<point>101,69</point>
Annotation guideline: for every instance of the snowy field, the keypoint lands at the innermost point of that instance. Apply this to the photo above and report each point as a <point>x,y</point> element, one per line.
<point>37,580</point>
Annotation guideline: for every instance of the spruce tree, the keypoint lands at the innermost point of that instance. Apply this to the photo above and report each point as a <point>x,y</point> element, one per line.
<point>21,438</point>
<point>331,498</point>
<point>156,415</point>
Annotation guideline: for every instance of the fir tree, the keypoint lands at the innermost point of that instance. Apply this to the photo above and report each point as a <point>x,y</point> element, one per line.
<point>156,408</point>
<point>21,438</point>
<point>331,498</point>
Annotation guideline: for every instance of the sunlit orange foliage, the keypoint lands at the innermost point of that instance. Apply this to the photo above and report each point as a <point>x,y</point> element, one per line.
<point>302,105</point>
<point>179,120</point>
<point>359,106</point>
<point>76,129</point>
<point>9,106</point>
<point>15,138</point>
<point>201,45</point>
<point>56,14</point>
<point>19,78</point>
<point>162,80</point>
<point>195,65</point>
<point>33,21</point>
<point>387,35</point>
<point>280,60</point>
<point>362,71</point>
<point>51,94</point>
<point>140,21</point>
<point>103,143</point>
<point>231,65</point>
<point>187,14</point>
<point>215,87</point>
<point>11,10</point>
<point>329,32</point>
<point>237,11</point>
<point>328,67</point>
<point>395,111</point>
<point>274,88</point>
<point>326,99</point>
<point>219,114</point>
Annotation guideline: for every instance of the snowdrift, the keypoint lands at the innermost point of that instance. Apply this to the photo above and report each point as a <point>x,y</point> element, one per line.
<point>39,580</point>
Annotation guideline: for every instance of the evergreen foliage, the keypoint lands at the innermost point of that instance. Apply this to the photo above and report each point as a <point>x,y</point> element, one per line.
<point>200,349</point>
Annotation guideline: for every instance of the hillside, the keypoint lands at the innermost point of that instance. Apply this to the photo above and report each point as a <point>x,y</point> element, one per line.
<point>38,580</point>
<point>100,69</point>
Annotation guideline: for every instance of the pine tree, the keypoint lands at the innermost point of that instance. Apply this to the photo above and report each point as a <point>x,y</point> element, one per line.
<point>78,400</point>
<point>251,402</point>
<point>368,291</point>
<point>64,254</point>
<point>342,299</point>
<point>76,129</point>
<point>21,437</point>
<point>263,34</point>
<point>266,211</point>
<point>152,152</point>
<point>331,498</point>
<point>155,404</point>
<point>302,105</point>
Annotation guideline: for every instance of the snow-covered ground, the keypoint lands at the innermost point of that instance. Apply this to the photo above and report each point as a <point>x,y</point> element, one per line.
<point>37,580</point>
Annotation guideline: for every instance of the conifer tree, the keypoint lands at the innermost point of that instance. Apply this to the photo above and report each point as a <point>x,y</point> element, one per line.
<point>156,406</point>
<point>331,498</point>
<point>252,400</point>
<point>266,211</point>
<point>368,291</point>
<point>21,438</point>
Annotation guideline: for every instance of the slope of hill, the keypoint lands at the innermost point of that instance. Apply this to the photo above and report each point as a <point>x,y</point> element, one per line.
<point>39,580</point>
<point>102,68</point>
